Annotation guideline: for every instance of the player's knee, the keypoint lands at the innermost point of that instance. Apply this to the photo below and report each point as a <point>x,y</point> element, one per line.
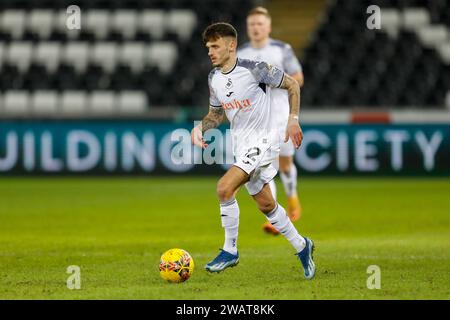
<point>266,206</point>
<point>224,192</point>
<point>285,167</point>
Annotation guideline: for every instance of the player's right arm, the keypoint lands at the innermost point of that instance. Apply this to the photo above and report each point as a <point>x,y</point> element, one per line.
<point>212,120</point>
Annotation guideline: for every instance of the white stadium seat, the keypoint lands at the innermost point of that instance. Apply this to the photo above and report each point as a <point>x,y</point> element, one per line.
<point>433,36</point>
<point>19,54</point>
<point>76,54</point>
<point>182,22</point>
<point>132,101</point>
<point>41,22</point>
<point>125,22</point>
<point>102,102</point>
<point>48,54</point>
<point>163,55</point>
<point>73,102</point>
<point>105,55</point>
<point>152,22</point>
<point>415,18</point>
<point>16,102</point>
<point>98,22</point>
<point>13,22</point>
<point>44,102</point>
<point>391,21</point>
<point>133,55</point>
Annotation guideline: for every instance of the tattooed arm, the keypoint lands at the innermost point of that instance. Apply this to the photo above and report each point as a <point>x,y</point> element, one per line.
<point>212,120</point>
<point>293,129</point>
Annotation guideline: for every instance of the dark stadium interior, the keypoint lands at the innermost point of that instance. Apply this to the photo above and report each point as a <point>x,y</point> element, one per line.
<point>358,67</point>
<point>123,52</point>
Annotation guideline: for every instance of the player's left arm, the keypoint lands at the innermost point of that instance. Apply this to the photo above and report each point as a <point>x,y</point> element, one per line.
<point>293,130</point>
<point>292,66</point>
<point>298,76</point>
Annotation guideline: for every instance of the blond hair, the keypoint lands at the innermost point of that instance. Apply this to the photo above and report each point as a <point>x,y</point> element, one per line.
<point>259,10</point>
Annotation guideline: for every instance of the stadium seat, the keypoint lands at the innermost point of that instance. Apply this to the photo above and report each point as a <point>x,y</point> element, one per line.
<point>76,54</point>
<point>101,102</point>
<point>152,22</point>
<point>44,102</point>
<point>391,20</point>
<point>73,102</point>
<point>48,54</point>
<point>132,54</point>
<point>125,22</point>
<point>132,102</point>
<point>98,22</point>
<point>181,22</point>
<point>415,18</point>
<point>105,55</point>
<point>433,36</point>
<point>41,23</point>
<point>162,55</point>
<point>13,22</point>
<point>19,54</point>
<point>16,102</point>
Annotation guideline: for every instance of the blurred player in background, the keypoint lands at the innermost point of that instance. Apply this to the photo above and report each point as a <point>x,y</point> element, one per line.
<point>279,54</point>
<point>240,89</point>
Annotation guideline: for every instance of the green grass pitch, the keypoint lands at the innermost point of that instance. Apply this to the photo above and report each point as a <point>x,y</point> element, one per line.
<point>115,230</point>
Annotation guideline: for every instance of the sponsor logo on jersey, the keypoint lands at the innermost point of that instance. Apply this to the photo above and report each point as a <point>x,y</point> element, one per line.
<point>237,104</point>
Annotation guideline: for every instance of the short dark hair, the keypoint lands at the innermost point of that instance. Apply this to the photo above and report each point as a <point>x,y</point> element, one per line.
<point>219,30</point>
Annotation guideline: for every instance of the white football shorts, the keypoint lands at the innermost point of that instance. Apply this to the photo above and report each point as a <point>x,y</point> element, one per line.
<point>262,166</point>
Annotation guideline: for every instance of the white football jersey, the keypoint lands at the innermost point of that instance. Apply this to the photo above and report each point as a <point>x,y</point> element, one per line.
<point>244,93</point>
<point>280,55</point>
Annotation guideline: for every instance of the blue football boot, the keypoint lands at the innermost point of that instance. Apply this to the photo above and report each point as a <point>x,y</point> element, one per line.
<point>306,258</point>
<point>222,261</point>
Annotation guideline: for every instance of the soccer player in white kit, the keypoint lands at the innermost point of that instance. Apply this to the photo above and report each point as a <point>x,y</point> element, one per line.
<point>240,90</point>
<point>279,54</point>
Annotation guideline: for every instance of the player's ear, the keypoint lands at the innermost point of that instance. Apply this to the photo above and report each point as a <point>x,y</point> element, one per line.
<point>233,45</point>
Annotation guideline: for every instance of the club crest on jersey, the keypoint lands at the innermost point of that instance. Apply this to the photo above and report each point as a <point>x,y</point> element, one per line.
<point>229,84</point>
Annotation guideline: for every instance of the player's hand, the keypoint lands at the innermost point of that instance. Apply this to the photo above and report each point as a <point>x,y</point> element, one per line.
<point>294,132</point>
<point>197,138</point>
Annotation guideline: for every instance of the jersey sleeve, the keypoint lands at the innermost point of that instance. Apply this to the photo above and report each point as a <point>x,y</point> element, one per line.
<point>268,74</point>
<point>290,61</point>
<point>213,100</point>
